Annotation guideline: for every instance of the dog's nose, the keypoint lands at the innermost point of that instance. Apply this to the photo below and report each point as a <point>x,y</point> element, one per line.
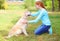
<point>29,15</point>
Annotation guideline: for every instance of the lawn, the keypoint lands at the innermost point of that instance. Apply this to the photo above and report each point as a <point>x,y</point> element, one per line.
<point>8,20</point>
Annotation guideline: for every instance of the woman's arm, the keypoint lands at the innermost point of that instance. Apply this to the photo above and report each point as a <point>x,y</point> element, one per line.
<point>37,19</point>
<point>35,14</point>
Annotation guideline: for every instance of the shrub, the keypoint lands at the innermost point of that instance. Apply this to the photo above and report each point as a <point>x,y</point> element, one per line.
<point>1,4</point>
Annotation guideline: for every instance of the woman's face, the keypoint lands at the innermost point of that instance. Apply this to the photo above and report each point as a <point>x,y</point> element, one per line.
<point>38,7</point>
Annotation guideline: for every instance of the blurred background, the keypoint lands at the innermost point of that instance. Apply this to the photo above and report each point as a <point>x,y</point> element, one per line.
<point>12,10</point>
<point>51,5</point>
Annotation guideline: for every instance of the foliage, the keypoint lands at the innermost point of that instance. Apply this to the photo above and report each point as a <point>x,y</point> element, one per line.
<point>1,4</point>
<point>48,4</point>
<point>30,4</point>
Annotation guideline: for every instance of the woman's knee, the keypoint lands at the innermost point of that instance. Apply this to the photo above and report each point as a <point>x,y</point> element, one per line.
<point>37,33</point>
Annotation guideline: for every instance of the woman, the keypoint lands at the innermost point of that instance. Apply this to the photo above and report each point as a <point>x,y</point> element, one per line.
<point>42,15</point>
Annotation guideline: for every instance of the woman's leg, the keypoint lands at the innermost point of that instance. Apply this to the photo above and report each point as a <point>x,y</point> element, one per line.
<point>41,29</point>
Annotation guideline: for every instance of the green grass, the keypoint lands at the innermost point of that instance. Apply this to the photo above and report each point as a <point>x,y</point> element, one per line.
<point>8,20</point>
<point>16,7</point>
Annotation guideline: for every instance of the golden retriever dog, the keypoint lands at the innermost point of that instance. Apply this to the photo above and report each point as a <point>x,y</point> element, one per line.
<point>19,27</point>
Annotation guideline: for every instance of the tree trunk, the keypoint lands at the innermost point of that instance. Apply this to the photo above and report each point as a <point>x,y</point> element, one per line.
<point>53,5</point>
<point>59,4</point>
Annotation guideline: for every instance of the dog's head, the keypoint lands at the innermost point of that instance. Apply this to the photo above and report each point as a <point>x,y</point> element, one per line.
<point>27,13</point>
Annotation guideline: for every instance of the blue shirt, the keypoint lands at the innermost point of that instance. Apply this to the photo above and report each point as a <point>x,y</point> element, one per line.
<point>41,15</point>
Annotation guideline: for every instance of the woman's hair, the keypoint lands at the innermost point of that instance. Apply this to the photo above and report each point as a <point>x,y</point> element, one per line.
<point>40,4</point>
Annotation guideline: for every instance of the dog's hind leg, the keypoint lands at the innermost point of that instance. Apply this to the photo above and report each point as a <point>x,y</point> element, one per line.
<point>8,36</point>
<point>18,32</point>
